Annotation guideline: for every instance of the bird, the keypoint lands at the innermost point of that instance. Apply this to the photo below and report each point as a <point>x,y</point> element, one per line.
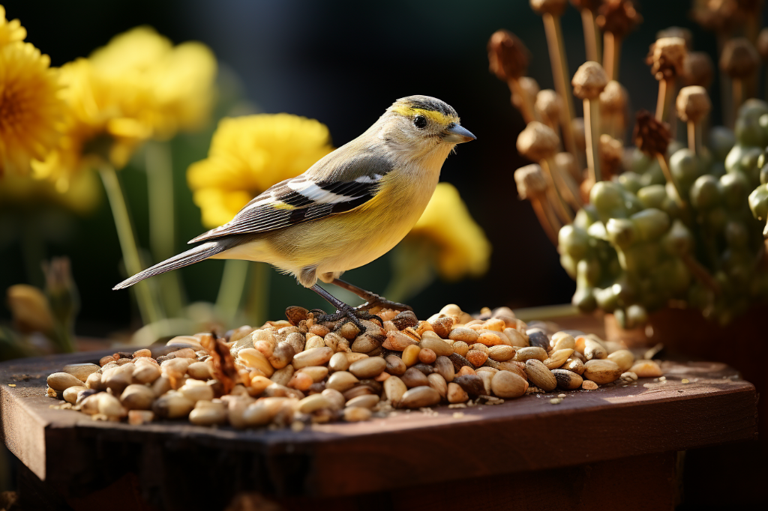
<point>348,209</point>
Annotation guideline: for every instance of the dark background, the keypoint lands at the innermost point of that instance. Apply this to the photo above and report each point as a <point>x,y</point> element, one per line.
<point>343,63</point>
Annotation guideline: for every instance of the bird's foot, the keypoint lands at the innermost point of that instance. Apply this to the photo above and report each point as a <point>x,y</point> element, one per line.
<point>381,302</point>
<point>348,314</point>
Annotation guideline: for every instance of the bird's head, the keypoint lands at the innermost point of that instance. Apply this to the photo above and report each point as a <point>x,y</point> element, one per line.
<point>422,123</point>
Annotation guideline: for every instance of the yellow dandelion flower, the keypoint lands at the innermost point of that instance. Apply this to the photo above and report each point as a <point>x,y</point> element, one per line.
<point>171,87</point>
<point>94,129</point>
<point>10,31</point>
<point>461,246</point>
<point>248,155</point>
<point>82,195</point>
<point>29,105</point>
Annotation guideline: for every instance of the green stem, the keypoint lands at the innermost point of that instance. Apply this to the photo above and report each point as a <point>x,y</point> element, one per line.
<point>148,306</point>
<point>231,290</point>
<point>257,305</point>
<point>162,225</point>
<point>33,248</point>
<point>412,269</point>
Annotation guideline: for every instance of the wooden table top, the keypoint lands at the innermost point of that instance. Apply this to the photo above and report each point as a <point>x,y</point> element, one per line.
<point>66,447</point>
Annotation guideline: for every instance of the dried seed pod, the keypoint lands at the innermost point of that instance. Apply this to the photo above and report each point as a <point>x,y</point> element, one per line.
<point>601,371</point>
<point>693,104</point>
<point>548,105</point>
<point>611,156</point>
<point>537,141</point>
<point>567,162</point>
<point>507,385</point>
<point>739,58</point>
<point>650,135</point>
<point>618,17</point>
<point>539,375</point>
<point>296,314</point>
<point>507,56</point>
<point>419,397</point>
<point>567,380</point>
<point>698,69</point>
<point>682,33</point>
<point>589,81</point>
<point>552,7</point>
<point>666,58</point>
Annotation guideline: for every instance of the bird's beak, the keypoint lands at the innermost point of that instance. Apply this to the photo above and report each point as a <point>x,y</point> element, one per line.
<point>455,134</point>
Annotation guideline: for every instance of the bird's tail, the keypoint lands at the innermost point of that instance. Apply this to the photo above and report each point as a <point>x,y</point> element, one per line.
<point>191,256</point>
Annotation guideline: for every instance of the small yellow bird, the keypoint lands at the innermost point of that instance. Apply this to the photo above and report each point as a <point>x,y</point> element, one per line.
<point>349,208</point>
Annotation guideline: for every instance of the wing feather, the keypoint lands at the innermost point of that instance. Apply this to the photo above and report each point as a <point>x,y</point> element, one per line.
<point>352,182</point>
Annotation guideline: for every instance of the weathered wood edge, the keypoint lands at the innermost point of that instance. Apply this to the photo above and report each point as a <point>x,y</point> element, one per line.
<point>354,458</point>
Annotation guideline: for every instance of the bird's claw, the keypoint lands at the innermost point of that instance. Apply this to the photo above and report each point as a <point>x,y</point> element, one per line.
<point>349,314</point>
<point>380,301</point>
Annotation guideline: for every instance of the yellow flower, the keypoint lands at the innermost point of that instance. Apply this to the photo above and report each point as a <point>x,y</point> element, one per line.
<point>29,105</point>
<point>248,155</point>
<point>82,195</point>
<point>94,129</point>
<point>171,88</point>
<point>10,31</point>
<point>30,309</point>
<point>461,246</point>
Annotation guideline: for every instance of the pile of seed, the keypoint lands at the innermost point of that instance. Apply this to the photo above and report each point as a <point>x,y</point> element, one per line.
<point>299,371</point>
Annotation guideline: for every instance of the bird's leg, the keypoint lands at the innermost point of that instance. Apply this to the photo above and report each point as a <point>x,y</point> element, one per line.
<point>372,299</point>
<point>344,312</point>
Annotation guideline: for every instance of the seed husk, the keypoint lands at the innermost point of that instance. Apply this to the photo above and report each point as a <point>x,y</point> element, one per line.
<point>471,383</point>
<point>367,401</point>
<point>440,347</point>
<point>208,413</point>
<point>437,382</point>
<point>594,350</point>
<point>646,369</point>
<point>506,384</point>
<point>137,397</point>
<point>342,381</point>
<point>356,414</point>
<point>414,378</point>
<point>567,380</point>
<point>70,394</point>
<point>539,375</point>
<point>368,368</point>
<point>62,381</point>
<point>338,362</point>
<point>394,389</point>
<point>532,352</point>
<point>444,367</point>
<point>419,397</point>
<point>455,394</point>
<point>557,358</point>
<point>395,365</point>
<point>501,353</point>
<point>623,358</point>
<point>80,371</point>
<point>601,371</point>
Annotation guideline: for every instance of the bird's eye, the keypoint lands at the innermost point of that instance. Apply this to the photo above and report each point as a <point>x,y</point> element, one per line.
<point>420,122</point>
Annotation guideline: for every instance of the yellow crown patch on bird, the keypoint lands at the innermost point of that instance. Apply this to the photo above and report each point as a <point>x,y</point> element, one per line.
<point>351,207</point>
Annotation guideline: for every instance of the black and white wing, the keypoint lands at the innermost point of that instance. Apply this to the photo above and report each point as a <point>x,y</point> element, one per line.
<point>351,183</point>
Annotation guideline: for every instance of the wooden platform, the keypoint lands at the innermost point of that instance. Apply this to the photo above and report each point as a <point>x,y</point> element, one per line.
<point>174,465</point>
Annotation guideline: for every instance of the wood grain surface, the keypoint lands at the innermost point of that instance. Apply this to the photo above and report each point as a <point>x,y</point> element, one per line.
<point>78,456</point>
